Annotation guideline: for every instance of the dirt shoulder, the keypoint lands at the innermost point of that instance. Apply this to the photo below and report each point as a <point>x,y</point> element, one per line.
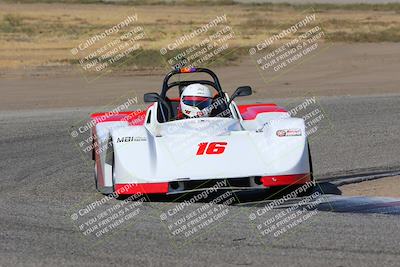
<point>385,187</point>
<point>343,69</point>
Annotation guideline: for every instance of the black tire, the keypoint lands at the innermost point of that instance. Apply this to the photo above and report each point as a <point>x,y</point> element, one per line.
<point>310,190</point>
<point>310,162</point>
<point>95,177</point>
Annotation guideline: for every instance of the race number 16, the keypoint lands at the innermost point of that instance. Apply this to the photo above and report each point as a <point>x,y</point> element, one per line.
<point>211,148</point>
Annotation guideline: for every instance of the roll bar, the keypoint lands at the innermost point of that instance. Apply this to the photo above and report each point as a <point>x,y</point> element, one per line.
<point>166,86</point>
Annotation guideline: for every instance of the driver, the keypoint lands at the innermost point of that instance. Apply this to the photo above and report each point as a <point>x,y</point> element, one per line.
<point>196,101</point>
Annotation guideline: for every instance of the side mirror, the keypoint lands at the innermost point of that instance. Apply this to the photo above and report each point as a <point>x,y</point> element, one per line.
<point>154,97</point>
<point>151,97</point>
<point>241,91</point>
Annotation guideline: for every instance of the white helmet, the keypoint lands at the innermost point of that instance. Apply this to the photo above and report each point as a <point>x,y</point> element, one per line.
<point>196,101</point>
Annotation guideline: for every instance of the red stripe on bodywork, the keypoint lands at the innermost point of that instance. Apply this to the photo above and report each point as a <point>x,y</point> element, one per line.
<point>279,180</point>
<point>151,188</point>
<point>132,117</point>
<point>250,112</point>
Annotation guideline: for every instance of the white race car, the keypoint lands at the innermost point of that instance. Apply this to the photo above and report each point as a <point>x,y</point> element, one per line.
<point>155,151</point>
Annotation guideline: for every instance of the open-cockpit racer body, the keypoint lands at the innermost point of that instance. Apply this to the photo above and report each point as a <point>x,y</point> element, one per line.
<point>156,151</point>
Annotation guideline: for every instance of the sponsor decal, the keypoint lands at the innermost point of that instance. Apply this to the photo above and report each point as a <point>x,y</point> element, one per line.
<point>131,139</point>
<point>288,132</point>
<point>281,133</point>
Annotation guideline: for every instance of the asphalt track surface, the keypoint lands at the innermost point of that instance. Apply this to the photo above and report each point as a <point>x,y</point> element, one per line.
<point>45,180</point>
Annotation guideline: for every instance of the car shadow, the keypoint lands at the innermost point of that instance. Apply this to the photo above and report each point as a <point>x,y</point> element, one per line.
<point>243,196</point>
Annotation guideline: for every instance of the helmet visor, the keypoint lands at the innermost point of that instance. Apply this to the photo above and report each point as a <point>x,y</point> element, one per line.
<point>197,101</point>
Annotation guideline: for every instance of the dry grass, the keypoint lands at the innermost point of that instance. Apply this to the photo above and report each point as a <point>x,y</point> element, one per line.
<point>43,34</point>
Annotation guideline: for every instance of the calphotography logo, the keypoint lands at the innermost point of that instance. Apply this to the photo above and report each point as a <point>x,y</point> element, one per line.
<point>279,53</point>
<point>315,118</point>
<point>89,138</point>
<point>202,46</point>
<point>292,211</point>
<point>193,215</point>
<point>109,48</point>
<point>103,217</point>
